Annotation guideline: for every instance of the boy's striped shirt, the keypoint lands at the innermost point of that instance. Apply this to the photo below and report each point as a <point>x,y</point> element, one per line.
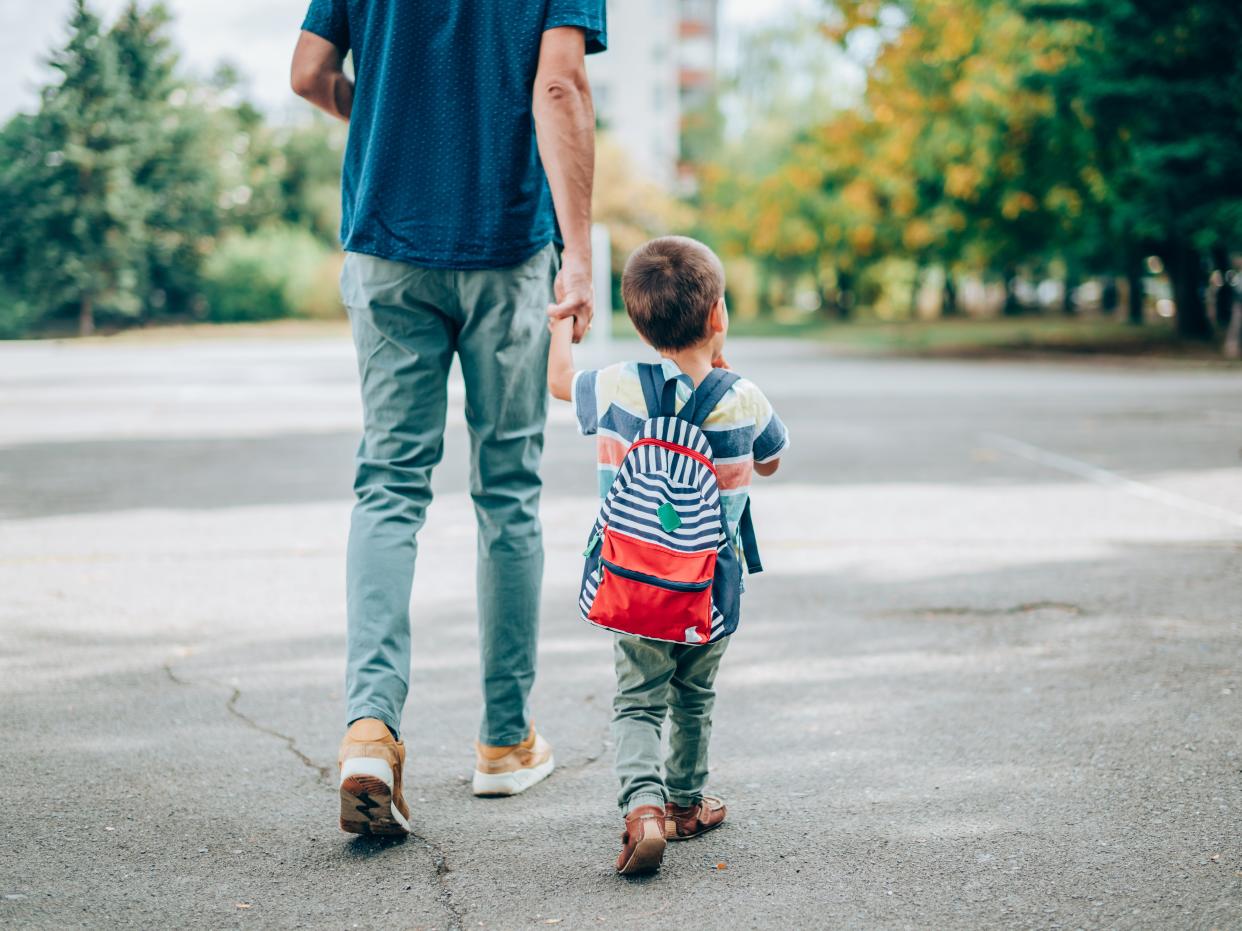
<point>742,430</point>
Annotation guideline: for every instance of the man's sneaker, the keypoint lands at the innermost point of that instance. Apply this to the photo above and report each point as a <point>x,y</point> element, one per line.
<point>691,821</point>
<point>371,798</point>
<point>642,844</point>
<point>512,770</point>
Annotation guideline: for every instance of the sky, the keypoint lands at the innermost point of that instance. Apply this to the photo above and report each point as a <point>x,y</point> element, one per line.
<point>255,35</point>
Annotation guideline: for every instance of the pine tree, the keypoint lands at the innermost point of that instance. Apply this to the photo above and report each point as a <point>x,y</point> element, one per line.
<point>172,161</point>
<point>88,217</point>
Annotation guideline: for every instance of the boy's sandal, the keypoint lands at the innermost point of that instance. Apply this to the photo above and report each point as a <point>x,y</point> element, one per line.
<point>691,821</point>
<point>642,844</point>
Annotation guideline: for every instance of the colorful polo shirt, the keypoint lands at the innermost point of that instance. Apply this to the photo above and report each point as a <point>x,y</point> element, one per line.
<point>742,430</point>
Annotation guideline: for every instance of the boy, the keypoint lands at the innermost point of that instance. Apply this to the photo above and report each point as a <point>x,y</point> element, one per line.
<point>673,289</point>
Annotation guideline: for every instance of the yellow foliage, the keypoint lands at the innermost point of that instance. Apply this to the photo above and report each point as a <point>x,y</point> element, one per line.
<point>961,181</point>
<point>862,238</point>
<point>634,210</point>
<point>918,235</point>
<point>1017,203</point>
<point>1064,200</point>
<point>858,195</point>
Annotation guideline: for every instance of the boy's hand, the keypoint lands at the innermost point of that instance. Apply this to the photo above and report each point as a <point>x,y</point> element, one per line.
<point>719,363</point>
<point>560,357</point>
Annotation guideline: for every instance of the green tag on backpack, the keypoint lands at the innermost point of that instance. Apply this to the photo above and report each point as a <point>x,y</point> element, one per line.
<point>670,520</point>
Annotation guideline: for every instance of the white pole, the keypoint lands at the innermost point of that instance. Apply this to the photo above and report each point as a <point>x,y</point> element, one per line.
<point>601,275</point>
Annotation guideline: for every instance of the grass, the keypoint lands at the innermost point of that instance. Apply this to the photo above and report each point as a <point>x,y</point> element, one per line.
<point>984,337</point>
<point>1006,336</point>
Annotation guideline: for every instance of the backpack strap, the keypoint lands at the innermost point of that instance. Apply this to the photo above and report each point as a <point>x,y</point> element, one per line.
<point>750,544</point>
<point>652,379</point>
<point>708,394</point>
<point>660,393</point>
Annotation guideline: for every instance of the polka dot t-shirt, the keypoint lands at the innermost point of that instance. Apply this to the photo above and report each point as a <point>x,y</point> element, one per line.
<point>441,168</point>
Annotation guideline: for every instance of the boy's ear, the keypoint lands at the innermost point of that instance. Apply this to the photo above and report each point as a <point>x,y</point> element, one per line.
<point>716,316</point>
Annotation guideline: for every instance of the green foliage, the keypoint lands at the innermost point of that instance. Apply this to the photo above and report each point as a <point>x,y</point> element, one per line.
<point>1160,86</point>
<point>275,272</point>
<point>992,135</point>
<point>124,183</point>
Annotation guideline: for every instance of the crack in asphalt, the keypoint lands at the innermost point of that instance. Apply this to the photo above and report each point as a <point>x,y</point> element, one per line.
<point>439,860</point>
<point>324,773</point>
<point>457,917</point>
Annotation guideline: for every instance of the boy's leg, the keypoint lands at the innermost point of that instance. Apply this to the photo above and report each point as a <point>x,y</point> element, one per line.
<point>503,347</point>
<point>405,345</point>
<point>691,697</point>
<point>644,670</point>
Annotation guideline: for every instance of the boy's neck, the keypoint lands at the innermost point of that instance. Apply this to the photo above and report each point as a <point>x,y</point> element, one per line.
<point>695,362</point>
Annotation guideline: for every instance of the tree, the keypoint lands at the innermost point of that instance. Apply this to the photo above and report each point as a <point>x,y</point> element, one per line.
<point>172,161</point>
<point>79,232</point>
<point>121,186</point>
<point>955,155</point>
<point>1161,86</point>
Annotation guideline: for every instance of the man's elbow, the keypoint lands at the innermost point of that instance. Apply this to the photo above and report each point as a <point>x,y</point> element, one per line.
<point>563,88</point>
<point>303,80</point>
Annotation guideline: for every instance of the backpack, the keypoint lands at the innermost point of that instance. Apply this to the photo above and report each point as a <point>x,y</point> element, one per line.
<point>660,561</point>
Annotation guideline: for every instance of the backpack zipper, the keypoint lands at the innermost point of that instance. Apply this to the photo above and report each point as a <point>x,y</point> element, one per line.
<point>591,543</point>
<point>655,580</point>
<point>684,450</point>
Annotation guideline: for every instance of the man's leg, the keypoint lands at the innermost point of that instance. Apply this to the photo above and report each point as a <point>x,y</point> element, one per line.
<point>503,347</point>
<point>405,347</point>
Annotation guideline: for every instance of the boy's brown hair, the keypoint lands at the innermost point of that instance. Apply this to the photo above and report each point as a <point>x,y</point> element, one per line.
<point>669,286</point>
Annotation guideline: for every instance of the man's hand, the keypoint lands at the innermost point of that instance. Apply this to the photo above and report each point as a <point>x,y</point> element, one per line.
<point>575,296</point>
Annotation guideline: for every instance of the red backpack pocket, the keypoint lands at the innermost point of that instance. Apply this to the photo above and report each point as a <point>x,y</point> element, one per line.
<point>653,591</point>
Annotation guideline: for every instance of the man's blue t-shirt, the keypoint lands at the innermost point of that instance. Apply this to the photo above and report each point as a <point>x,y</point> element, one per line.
<point>442,168</point>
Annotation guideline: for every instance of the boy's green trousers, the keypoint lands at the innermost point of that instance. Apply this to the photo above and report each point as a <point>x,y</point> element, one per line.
<point>655,680</point>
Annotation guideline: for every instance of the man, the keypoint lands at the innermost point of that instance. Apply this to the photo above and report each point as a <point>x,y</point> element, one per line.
<point>471,141</point>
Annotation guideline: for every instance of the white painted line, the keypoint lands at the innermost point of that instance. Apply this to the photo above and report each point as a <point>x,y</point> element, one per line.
<point>1105,477</point>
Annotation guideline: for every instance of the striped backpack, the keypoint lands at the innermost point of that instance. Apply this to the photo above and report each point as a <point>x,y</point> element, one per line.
<point>661,562</point>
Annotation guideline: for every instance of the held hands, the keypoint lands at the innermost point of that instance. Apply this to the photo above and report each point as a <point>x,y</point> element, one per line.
<point>575,296</point>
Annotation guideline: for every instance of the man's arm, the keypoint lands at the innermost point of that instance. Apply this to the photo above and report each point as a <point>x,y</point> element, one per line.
<point>565,128</point>
<point>561,360</point>
<point>318,76</point>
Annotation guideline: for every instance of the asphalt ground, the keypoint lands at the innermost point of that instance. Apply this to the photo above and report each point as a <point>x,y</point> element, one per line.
<point>991,678</point>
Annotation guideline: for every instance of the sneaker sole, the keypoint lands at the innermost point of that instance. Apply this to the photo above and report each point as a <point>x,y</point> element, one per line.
<point>366,800</point>
<point>491,785</point>
<point>647,856</point>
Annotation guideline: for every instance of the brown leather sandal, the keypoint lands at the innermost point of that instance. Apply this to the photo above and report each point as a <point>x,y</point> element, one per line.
<point>642,844</point>
<point>684,823</point>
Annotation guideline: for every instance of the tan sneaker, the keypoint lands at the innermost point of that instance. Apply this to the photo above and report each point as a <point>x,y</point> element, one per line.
<point>371,762</point>
<point>512,770</point>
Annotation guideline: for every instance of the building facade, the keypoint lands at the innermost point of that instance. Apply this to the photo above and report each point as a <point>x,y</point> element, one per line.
<point>660,66</point>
